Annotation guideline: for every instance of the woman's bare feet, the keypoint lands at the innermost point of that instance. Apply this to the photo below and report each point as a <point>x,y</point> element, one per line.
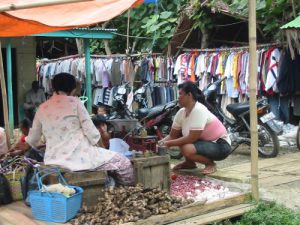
<point>209,169</point>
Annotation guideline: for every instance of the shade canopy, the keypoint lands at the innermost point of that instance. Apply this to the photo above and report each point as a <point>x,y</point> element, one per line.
<point>45,19</point>
<point>292,31</point>
<point>294,24</point>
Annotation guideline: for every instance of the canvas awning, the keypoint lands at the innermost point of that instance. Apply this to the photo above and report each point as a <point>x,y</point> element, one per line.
<point>59,17</point>
<point>292,31</point>
<point>44,19</point>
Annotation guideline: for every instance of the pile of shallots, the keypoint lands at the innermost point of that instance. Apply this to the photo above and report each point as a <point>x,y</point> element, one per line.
<point>198,189</point>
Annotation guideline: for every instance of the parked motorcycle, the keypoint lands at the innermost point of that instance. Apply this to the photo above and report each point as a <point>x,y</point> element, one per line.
<point>239,127</point>
<point>156,120</point>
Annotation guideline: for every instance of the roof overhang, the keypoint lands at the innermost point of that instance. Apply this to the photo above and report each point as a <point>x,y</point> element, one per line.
<point>89,33</point>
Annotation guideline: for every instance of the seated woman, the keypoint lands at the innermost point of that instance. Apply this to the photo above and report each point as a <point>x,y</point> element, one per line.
<point>71,136</point>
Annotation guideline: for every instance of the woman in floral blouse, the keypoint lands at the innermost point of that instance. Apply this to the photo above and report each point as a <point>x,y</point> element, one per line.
<point>71,136</point>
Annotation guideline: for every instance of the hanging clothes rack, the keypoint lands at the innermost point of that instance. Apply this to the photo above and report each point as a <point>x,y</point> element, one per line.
<point>61,58</point>
<point>230,49</point>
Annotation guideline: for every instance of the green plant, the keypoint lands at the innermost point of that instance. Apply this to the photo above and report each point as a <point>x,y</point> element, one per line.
<point>267,214</point>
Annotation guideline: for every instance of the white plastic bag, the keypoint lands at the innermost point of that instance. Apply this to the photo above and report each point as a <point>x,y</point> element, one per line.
<point>118,145</point>
<point>3,142</point>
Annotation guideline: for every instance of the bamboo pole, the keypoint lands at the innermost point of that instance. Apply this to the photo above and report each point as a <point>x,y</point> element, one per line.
<point>11,7</point>
<point>253,108</point>
<point>4,99</point>
<point>128,29</point>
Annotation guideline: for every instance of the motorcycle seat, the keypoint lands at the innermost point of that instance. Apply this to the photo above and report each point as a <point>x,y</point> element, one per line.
<point>145,112</point>
<point>238,108</point>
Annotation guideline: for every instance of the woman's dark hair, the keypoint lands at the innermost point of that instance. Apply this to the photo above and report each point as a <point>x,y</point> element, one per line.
<point>191,87</point>
<point>26,123</point>
<point>64,82</point>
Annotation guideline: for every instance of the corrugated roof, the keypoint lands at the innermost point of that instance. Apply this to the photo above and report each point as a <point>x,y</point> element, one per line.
<point>95,29</point>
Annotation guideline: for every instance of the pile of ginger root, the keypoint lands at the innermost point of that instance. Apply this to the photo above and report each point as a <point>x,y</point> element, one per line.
<point>128,204</point>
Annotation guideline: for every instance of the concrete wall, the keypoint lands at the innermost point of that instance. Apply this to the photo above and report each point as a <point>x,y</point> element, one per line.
<point>25,66</point>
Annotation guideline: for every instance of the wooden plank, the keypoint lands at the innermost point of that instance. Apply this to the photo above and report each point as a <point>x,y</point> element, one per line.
<point>147,177</point>
<point>17,213</point>
<point>219,215</point>
<point>263,163</point>
<point>157,176</point>
<point>196,210</point>
<point>167,181</point>
<point>282,168</point>
<point>138,169</point>
<point>152,161</point>
<point>277,180</point>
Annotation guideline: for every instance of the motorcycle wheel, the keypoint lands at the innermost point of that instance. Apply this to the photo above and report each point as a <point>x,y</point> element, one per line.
<point>298,137</point>
<point>268,143</point>
<point>165,129</point>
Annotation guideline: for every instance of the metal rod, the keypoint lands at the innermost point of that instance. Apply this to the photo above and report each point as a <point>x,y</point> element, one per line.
<point>11,7</point>
<point>229,49</point>
<point>88,79</point>
<point>9,86</point>
<point>253,91</point>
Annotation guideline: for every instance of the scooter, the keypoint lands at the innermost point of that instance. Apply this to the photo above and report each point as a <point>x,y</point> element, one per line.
<point>239,127</point>
<point>156,120</point>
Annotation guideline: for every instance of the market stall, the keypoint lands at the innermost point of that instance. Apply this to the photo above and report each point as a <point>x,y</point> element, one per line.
<point>150,175</point>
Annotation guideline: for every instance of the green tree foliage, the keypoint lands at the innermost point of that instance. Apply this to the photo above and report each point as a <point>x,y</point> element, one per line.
<point>158,21</point>
<point>271,14</point>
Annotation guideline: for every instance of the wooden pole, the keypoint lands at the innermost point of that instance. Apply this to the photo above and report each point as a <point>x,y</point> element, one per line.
<point>128,26</point>
<point>17,6</point>
<point>253,108</point>
<point>4,99</point>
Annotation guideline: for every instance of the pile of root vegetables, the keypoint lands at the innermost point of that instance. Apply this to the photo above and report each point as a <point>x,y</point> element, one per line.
<point>128,204</point>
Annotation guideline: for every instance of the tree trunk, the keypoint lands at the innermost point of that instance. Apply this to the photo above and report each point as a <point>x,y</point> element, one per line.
<point>204,38</point>
<point>80,46</point>
<point>106,43</point>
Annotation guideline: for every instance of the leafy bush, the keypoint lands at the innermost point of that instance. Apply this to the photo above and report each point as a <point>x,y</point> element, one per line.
<point>267,214</point>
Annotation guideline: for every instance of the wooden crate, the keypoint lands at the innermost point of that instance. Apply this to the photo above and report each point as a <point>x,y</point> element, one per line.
<point>152,171</point>
<point>92,182</point>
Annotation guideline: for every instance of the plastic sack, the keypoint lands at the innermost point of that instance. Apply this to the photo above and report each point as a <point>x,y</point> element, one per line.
<point>118,145</point>
<point>3,142</point>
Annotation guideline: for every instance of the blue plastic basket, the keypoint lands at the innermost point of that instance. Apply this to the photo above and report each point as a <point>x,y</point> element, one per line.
<point>54,207</point>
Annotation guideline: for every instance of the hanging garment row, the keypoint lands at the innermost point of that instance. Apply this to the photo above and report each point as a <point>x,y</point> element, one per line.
<point>278,75</point>
<point>234,65</point>
<point>108,72</point>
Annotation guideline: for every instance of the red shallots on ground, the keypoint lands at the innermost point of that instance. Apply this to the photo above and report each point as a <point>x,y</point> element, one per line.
<point>198,189</point>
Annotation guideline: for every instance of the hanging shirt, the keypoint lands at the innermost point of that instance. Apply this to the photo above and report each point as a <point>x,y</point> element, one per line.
<point>273,70</point>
